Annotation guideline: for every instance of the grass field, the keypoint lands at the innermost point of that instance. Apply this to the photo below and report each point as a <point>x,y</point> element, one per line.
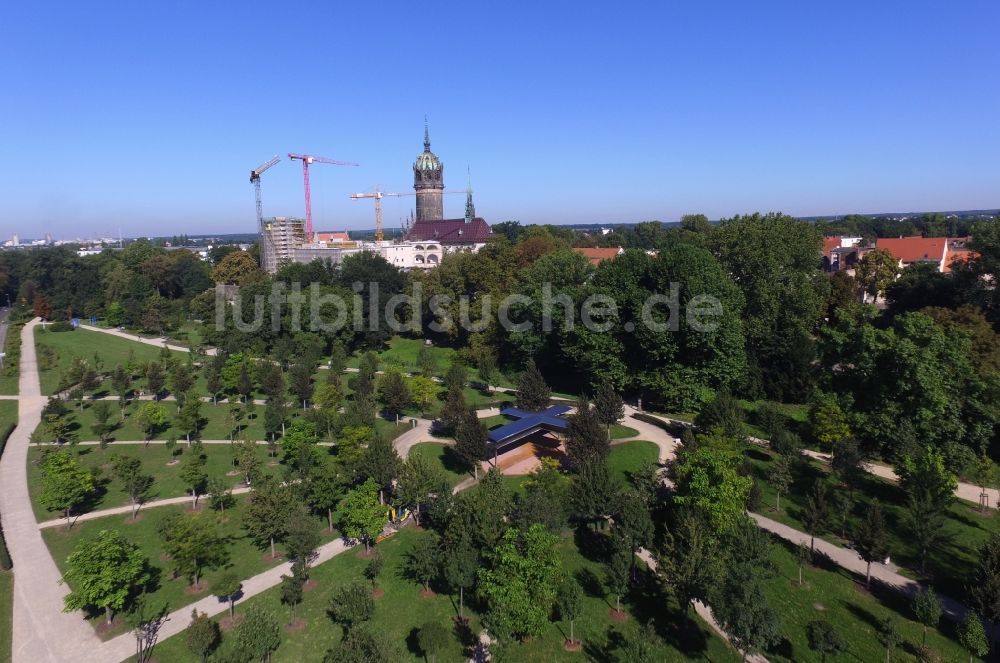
<point>11,363</point>
<point>619,432</point>
<point>83,343</point>
<point>442,456</point>
<point>218,461</point>
<point>6,614</point>
<point>401,611</point>
<point>8,415</point>
<point>246,559</point>
<point>628,457</point>
<point>948,563</point>
<point>835,595</point>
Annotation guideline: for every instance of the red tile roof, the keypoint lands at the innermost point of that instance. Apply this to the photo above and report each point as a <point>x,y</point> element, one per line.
<point>914,249</point>
<point>598,255</point>
<point>956,256</point>
<point>450,231</point>
<point>331,236</point>
<point>829,244</point>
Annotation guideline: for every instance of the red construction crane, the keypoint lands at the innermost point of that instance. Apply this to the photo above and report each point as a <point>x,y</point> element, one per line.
<point>307,159</point>
<point>378,196</point>
<point>255,180</point>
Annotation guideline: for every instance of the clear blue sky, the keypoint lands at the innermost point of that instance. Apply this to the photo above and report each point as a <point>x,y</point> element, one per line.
<point>149,115</point>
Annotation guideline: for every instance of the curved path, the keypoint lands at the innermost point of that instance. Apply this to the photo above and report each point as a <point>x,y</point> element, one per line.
<point>42,632</point>
<point>157,342</point>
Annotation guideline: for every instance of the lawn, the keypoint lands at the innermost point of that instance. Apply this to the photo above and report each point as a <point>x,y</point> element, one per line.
<point>833,594</point>
<point>625,459</point>
<point>619,432</point>
<point>167,483</point>
<point>948,563</point>
<point>11,363</point>
<point>442,456</point>
<point>6,614</point>
<point>57,349</point>
<point>402,353</point>
<point>401,611</point>
<point>217,424</point>
<point>245,559</point>
<point>8,416</point>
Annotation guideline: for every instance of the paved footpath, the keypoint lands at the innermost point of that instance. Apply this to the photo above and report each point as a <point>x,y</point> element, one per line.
<point>42,632</point>
<point>157,342</point>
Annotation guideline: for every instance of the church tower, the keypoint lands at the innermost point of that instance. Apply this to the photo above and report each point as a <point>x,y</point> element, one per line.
<point>428,182</point>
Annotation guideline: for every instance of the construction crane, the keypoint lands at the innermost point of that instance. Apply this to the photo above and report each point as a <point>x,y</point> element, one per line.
<point>378,196</point>
<point>255,180</point>
<point>306,160</point>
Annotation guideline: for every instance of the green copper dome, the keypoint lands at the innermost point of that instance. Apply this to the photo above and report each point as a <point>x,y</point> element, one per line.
<point>427,160</point>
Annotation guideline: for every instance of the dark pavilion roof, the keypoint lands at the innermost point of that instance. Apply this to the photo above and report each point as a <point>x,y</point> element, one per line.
<point>529,422</point>
<point>450,231</point>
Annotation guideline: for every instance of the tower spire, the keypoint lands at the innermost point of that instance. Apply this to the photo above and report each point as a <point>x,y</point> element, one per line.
<point>427,136</point>
<point>470,207</point>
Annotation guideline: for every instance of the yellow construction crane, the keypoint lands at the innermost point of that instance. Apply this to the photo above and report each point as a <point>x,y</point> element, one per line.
<point>378,196</point>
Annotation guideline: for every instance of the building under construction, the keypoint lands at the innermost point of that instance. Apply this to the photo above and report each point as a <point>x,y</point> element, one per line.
<point>285,239</point>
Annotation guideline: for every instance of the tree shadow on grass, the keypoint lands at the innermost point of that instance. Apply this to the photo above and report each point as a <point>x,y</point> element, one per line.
<point>648,602</point>
<point>593,545</point>
<point>453,462</point>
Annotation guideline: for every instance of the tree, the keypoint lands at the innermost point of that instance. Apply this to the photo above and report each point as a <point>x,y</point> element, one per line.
<point>121,382</point>
<point>363,646</point>
<point>301,382</point>
<point>689,561</point>
<point>984,585</point>
<point>876,271</point>
<point>847,462</point>
<point>608,405</point>
<point>888,635</point>
<point>105,573</point>
<point>102,426</point>
<point>227,587</point>
<point>870,539</point>
<point>983,476</point>
<point>617,569</point>
<point>328,398</point>
<point>803,555</point>
<point>267,513</point>
<point>244,382</point>
<point>151,417</point>
<point>189,417</point>
<point>781,478</point>
<point>145,619</point>
<point>257,635</point>
<point>362,515</point>
<point>181,379</point>
<point>301,538</point>
<point>824,638</point>
<point>417,483</point>
<point>381,463</point>
<point>275,414</point>
<point>194,477</point>
<point>544,499</point>
<point>532,392</point>
<point>709,479</point>
<point>471,439</point>
<point>65,483</point>
<point>592,491</point>
<point>292,588</point>
<point>586,439</point>
<point>213,376</point>
<point>926,523</point>
<point>156,378</point>
<point>722,414</point>
<point>927,609</point>
<point>220,494</point>
<point>972,636</point>
<point>374,569</point>
<point>459,566</point>
<point>455,377</point>
<point>633,521</point>
<point>423,390</point>
<point>128,471</point>
<point>393,392</point>
<point>193,545</point>
<point>350,605</point>
<point>422,561</point>
<point>325,490</point>
<point>426,363</point>
<point>816,513</point>
<point>249,461</point>
<point>272,381</point>
<point>487,368</point>
<point>828,421</point>
<point>926,475</point>
<point>841,504</point>
<point>519,587</point>
<point>202,635</point>
<point>569,601</point>
<point>432,639</point>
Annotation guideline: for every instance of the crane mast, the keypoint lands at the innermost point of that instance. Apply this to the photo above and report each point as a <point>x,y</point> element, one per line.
<point>377,196</point>
<point>255,180</point>
<point>306,160</point>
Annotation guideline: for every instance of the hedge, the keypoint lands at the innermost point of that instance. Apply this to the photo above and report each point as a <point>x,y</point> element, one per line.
<point>5,563</point>
<point>674,429</point>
